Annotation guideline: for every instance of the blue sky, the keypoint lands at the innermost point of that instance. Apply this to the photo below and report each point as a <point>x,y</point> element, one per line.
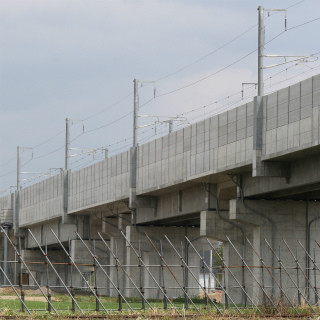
<point>76,58</point>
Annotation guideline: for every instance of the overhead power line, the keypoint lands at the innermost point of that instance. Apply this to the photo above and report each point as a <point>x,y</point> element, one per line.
<point>303,24</point>
<point>108,107</point>
<point>295,4</point>
<point>109,123</point>
<point>47,140</point>
<point>208,76</point>
<point>7,162</point>
<point>49,153</point>
<point>208,54</point>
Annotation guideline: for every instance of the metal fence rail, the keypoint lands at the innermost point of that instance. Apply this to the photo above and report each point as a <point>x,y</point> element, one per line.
<point>168,280</point>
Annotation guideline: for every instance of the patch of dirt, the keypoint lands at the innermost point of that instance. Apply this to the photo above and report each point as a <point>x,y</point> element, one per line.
<point>6,290</point>
<point>7,293</point>
<point>216,295</point>
<point>39,299</point>
<point>9,290</point>
<point>35,292</point>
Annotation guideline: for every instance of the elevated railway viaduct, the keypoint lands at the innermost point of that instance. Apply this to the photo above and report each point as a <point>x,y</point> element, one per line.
<point>250,172</point>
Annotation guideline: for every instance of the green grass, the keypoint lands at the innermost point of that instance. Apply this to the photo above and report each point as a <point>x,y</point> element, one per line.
<point>88,303</point>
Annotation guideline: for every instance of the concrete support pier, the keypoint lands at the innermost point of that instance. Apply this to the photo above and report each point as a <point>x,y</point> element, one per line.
<point>273,234</point>
<point>167,270</point>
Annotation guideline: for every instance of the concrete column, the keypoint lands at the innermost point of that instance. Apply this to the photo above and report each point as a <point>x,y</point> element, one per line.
<point>118,247</point>
<point>176,235</point>
<point>38,267</point>
<point>5,254</point>
<point>217,226</point>
<point>265,222</point>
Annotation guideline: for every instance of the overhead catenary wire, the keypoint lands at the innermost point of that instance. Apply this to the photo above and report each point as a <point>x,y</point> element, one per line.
<point>294,76</point>
<point>47,140</point>
<point>7,162</point>
<point>291,28</point>
<point>109,107</point>
<point>208,54</point>
<point>34,147</point>
<point>8,173</point>
<point>108,124</point>
<point>15,170</point>
<point>208,76</point>
<point>295,4</point>
<point>49,153</point>
<point>304,23</point>
<point>88,162</point>
<point>85,157</point>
